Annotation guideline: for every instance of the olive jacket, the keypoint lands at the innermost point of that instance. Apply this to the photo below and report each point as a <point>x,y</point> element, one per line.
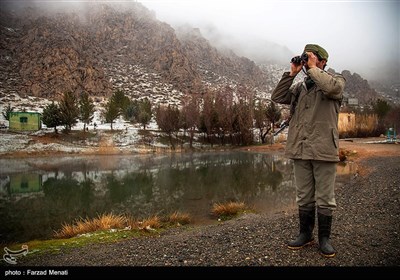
<point>313,127</point>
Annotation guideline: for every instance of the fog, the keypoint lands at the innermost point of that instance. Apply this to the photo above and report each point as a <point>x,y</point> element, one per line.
<point>360,36</point>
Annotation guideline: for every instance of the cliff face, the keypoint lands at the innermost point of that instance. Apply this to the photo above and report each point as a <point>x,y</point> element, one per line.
<point>136,37</point>
<point>55,56</point>
<point>358,87</point>
<point>47,54</point>
<point>214,64</point>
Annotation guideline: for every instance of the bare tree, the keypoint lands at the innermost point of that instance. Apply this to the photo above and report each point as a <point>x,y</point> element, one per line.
<point>190,116</point>
<point>167,119</point>
<point>209,116</point>
<point>262,123</point>
<point>7,111</point>
<point>245,114</point>
<point>225,113</point>
<point>273,114</point>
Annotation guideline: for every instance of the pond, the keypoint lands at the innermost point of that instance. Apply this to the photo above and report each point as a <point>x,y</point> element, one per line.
<point>38,195</point>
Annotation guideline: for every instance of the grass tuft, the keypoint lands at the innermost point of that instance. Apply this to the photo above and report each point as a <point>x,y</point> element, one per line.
<point>150,223</point>
<point>82,232</point>
<point>109,221</point>
<point>229,209</point>
<point>179,218</point>
<point>122,222</point>
<point>81,226</point>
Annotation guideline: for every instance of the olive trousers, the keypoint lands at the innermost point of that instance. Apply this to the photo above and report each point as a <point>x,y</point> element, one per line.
<point>315,184</point>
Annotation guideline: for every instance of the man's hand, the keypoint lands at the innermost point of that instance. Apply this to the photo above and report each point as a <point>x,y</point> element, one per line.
<point>312,60</point>
<point>295,69</point>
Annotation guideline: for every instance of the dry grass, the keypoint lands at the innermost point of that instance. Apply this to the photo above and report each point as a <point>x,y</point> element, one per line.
<point>81,226</point>
<point>111,221</point>
<point>66,231</point>
<point>132,222</point>
<point>228,209</point>
<point>178,218</point>
<point>150,223</point>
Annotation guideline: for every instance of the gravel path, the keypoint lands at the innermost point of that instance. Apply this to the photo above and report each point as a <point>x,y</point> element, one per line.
<point>366,232</point>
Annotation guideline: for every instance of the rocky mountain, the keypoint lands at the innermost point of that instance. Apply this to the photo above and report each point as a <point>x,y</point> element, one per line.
<point>45,54</point>
<point>357,87</point>
<point>100,48</point>
<point>214,64</point>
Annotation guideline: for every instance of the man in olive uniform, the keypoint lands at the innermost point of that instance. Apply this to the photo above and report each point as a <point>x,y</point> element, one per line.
<point>313,142</point>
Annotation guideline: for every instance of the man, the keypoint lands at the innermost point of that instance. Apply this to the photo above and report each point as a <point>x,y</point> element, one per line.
<point>313,142</point>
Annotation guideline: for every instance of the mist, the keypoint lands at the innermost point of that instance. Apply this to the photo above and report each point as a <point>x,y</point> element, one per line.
<point>360,36</point>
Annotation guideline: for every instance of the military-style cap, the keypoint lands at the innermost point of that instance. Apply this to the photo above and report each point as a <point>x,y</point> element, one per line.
<point>318,50</point>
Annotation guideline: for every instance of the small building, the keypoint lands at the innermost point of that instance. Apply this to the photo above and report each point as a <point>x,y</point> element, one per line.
<point>25,121</point>
<point>25,183</point>
<point>353,102</point>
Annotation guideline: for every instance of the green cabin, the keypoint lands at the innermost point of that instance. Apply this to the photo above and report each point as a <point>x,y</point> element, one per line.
<point>25,121</point>
<point>25,183</point>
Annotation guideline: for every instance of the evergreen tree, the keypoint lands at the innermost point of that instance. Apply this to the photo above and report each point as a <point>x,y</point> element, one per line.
<point>51,116</point>
<point>381,108</point>
<point>112,112</point>
<point>145,112</point>
<point>120,100</point>
<point>86,109</point>
<point>69,110</point>
<point>131,112</point>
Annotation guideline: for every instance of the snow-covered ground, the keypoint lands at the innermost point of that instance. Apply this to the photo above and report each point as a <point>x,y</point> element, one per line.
<point>125,137</point>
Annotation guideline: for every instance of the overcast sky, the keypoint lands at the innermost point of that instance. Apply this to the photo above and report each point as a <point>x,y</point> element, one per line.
<point>361,36</point>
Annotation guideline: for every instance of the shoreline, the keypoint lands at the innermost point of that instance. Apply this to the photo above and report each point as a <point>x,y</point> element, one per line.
<point>365,230</point>
<point>56,147</point>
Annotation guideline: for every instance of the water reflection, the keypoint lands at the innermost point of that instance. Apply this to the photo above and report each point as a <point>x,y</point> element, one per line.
<point>38,195</point>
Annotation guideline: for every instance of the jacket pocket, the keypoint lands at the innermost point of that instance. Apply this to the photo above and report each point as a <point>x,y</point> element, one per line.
<point>324,142</point>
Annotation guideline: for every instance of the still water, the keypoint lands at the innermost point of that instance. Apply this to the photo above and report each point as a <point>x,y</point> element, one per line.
<point>38,195</point>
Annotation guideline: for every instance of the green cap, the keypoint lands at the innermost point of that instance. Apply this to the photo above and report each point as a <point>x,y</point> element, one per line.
<point>318,50</point>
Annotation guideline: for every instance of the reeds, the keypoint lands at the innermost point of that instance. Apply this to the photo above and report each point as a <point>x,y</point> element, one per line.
<point>228,209</point>
<point>112,221</point>
<point>178,218</point>
<point>150,223</point>
<point>81,226</point>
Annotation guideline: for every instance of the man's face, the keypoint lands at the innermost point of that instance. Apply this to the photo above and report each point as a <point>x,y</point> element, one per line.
<point>321,63</point>
<point>313,60</point>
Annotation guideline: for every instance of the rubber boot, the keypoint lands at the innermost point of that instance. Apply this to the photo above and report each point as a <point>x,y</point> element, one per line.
<point>307,222</point>
<point>324,231</point>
